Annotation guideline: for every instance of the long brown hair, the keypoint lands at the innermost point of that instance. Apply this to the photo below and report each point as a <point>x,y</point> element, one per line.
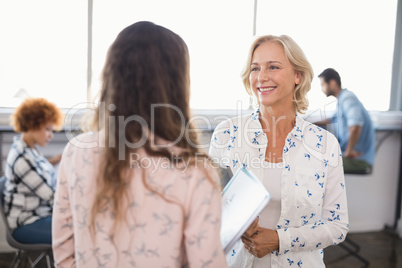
<point>147,64</point>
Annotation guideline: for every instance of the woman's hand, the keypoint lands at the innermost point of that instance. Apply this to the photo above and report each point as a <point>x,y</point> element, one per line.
<point>54,160</point>
<point>261,242</point>
<point>252,229</point>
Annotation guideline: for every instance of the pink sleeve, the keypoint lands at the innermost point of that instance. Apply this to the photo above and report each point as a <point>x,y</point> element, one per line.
<point>202,227</point>
<point>62,225</point>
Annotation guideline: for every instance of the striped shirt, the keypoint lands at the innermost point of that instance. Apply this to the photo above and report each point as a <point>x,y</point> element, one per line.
<point>27,196</point>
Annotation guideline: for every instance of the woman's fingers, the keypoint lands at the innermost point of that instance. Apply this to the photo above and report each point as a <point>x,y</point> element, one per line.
<point>247,242</point>
<point>252,229</point>
<point>249,246</point>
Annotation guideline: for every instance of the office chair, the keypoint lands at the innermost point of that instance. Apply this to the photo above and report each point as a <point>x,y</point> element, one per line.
<point>23,249</point>
<point>353,249</point>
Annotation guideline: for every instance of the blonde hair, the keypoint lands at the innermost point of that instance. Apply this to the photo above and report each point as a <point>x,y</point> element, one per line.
<point>297,59</point>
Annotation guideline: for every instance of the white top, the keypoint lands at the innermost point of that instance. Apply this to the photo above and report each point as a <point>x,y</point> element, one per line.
<point>270,215</point>
<point>314,211</point>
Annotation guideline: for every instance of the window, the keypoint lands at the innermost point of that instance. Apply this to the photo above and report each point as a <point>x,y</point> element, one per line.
<point>356,38</point>
<point>217,34</point>
<point>44,45</point>
<point>43,51</point>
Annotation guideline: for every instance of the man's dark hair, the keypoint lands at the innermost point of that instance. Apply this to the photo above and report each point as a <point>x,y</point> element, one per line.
<point>329,74</point>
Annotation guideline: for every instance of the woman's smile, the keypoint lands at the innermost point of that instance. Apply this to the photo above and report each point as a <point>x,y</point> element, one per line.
<point>266,90</point>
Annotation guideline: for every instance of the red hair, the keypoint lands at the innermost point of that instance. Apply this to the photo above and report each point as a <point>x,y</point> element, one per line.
<point>34,113</point>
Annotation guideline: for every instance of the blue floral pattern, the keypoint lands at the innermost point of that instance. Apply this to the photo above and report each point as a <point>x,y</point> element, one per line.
<point>180,230</point>
<point>313,205</point>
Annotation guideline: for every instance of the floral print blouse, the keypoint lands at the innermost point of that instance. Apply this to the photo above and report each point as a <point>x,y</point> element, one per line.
<point>313,198</point>
<point>180,233</point>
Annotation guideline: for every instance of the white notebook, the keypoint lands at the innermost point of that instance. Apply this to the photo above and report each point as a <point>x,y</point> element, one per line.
<point>243,199</point>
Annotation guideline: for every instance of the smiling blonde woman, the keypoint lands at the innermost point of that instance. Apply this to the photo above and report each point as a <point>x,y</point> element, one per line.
<point>299,163</point>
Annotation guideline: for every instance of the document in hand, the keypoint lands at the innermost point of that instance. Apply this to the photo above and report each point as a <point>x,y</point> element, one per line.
<point>243,199</point>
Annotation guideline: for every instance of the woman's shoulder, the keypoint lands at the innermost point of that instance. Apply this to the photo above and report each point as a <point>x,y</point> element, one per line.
<point>237,122</point>
<point>82,143</point>
<point>86,137</point>
<point>20,148</point>
<point>19,144</point>
<point>312,131</point>
<point>319,142</point>
<point>85,140</point>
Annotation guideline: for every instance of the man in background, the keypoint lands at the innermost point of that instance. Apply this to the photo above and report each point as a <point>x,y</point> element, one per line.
<point>354,128</point>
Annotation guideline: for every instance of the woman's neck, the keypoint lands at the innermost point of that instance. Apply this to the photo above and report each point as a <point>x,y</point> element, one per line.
<point>279,121</point>
<point>28,139</point>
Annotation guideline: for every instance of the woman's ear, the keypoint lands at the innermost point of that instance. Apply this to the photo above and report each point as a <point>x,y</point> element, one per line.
<point>298,78</point>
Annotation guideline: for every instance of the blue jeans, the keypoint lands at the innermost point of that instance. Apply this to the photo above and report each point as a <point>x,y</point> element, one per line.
<point>38,232</point>
<point>356,166</point>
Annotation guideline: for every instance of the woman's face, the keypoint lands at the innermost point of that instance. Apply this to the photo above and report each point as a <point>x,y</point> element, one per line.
<point>272,78</point>
<point>43,135</point>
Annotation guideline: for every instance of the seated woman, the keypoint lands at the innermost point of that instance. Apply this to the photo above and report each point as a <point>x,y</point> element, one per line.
<point>29,192</point>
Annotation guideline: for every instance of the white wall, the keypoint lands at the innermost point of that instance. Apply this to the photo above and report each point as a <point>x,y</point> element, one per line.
<point>372,198</point>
